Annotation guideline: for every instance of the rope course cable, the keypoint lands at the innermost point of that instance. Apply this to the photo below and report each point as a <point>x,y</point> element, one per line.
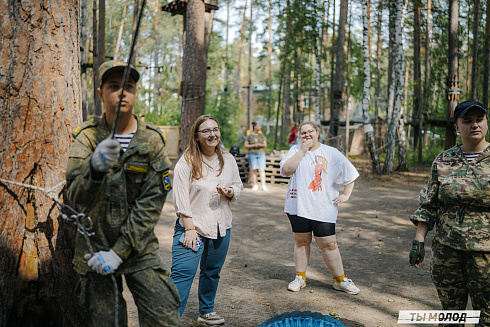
<point>82,221</point>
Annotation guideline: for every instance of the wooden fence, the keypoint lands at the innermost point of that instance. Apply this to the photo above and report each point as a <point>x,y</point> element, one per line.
<point>272,173</point>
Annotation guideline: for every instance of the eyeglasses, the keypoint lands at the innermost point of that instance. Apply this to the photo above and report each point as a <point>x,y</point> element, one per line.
<point>209,131</point>
<point>311,131</point>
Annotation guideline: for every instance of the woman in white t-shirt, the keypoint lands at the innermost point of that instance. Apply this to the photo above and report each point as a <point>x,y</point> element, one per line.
<point>312,201</point>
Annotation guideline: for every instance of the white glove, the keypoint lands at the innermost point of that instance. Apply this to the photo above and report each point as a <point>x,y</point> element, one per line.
<point>106,155</point>
<point>105,262</point>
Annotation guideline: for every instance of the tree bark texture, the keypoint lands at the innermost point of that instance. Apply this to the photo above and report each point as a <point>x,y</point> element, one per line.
<point>337,85</point>
<point>378,58</point>
<point>40,107</point>
<point>192,85</point>
<point>84,51</point>
<point>452,78</point>
<point>368,128</point>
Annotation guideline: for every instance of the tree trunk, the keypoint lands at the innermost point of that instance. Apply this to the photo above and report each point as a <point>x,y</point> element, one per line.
<point>368,128</point>
<point>452,79</point>
<point>474,65</point>
<point>417,80</point>
<point>250,87</point>
<point>84,51</point>
<point>379,45</point>
<point>121,29</point>
<point>398,69</point>
<point>238,78</point>
<point>338,84</point>
<point>156,10</point>
<point>347,91</point>
<point>283,67</point>
<point>332,64</point>
<point>100,51</point>
<point>95,60</point>
<point>390,93</point>
<point>208,28</point>
<point>324,47</point>
<point>192,85</point>
<point>427,74</point>
<point>269,67</point>
<point>317,67</point>
<point>40,101</point>
<point>136,5</point>
<point>486,61</point>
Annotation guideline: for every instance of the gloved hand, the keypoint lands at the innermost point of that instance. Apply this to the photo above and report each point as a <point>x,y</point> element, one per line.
<point>106,155</point>
<point>105,262</point>
<point>417,253</point>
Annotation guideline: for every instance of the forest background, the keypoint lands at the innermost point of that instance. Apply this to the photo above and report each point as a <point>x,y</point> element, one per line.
<point>274,47</point>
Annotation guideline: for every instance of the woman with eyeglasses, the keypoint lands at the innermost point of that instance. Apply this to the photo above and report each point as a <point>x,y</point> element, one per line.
<point>256,142</point>
<point>312,200</point>
<point>206,181</point>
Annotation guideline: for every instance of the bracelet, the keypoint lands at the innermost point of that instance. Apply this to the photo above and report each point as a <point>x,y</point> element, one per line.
<point>192,228</point>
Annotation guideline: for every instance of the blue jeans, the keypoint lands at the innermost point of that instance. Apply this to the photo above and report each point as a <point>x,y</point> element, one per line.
<point>212,254</point>
<point>257,160</point>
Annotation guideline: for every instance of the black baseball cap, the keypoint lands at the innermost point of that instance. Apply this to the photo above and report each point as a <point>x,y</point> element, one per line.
<point>112,66</point>
<point>463,107</point>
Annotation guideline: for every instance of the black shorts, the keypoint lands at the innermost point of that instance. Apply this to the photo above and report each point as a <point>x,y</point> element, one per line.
<point>305,225</point>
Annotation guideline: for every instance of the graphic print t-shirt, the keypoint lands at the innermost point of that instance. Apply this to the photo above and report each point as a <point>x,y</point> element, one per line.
<point>315,183</point>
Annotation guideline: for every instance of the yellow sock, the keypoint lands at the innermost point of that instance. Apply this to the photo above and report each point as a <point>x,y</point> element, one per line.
<point>302,274</point>
<point>339,278</point>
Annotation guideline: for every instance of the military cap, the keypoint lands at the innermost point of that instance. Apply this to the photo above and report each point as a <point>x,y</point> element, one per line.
<point>113,66</point>
<point>463,107</point>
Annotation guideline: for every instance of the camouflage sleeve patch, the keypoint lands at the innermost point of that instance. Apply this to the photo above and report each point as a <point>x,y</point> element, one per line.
<point>165,181</point>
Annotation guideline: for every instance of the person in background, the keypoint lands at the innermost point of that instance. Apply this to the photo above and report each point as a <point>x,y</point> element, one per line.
<point>206,181</point>
<point>122,183</point>
<point>456,203</point>
<point>293,135</point>
<point>256,142</point>
<point>312,201</point>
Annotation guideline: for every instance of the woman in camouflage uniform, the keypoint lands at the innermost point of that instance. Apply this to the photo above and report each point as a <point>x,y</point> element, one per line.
<point>456,202</point>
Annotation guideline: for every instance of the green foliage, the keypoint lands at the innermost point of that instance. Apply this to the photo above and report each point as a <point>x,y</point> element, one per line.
<point>430,151</point>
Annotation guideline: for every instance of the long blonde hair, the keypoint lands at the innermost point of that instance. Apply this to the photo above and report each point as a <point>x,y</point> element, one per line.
<point>193,153</point>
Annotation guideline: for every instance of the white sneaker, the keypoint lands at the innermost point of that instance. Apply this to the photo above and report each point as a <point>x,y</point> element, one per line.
<point>211,319</point>
<point>297,284</point>
<point>255,188</point>
<point>265,188</point>
<point>347,285</point>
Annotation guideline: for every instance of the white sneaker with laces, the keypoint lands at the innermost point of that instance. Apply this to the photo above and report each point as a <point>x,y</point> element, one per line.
<point>297,284</point>
<point>211,318</point>
<point>347,285</point>
<point>265,188</point>
<point>255,188</point>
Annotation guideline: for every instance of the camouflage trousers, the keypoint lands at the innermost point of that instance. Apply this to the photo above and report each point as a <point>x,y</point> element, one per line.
<point>154,294</point>
<point>456,274</point>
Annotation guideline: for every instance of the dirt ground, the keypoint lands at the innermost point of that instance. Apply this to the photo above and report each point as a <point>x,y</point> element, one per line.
<point>374,234</point>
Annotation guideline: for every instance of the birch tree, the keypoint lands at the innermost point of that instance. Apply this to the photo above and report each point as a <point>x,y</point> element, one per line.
<point>40,107</point>
<point>396,123</point>
<point>474,64</point>
<point>368,128</point>
<point>317,65</point>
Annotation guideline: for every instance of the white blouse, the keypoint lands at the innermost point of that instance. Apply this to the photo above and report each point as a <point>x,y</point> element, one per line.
<point>199,199</point>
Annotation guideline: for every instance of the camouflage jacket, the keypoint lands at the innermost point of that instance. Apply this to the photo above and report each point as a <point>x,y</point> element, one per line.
<point>126,203</point>
<point>456,200</point>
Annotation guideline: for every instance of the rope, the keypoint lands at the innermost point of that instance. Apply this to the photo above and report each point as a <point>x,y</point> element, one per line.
<point>83,222</point>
